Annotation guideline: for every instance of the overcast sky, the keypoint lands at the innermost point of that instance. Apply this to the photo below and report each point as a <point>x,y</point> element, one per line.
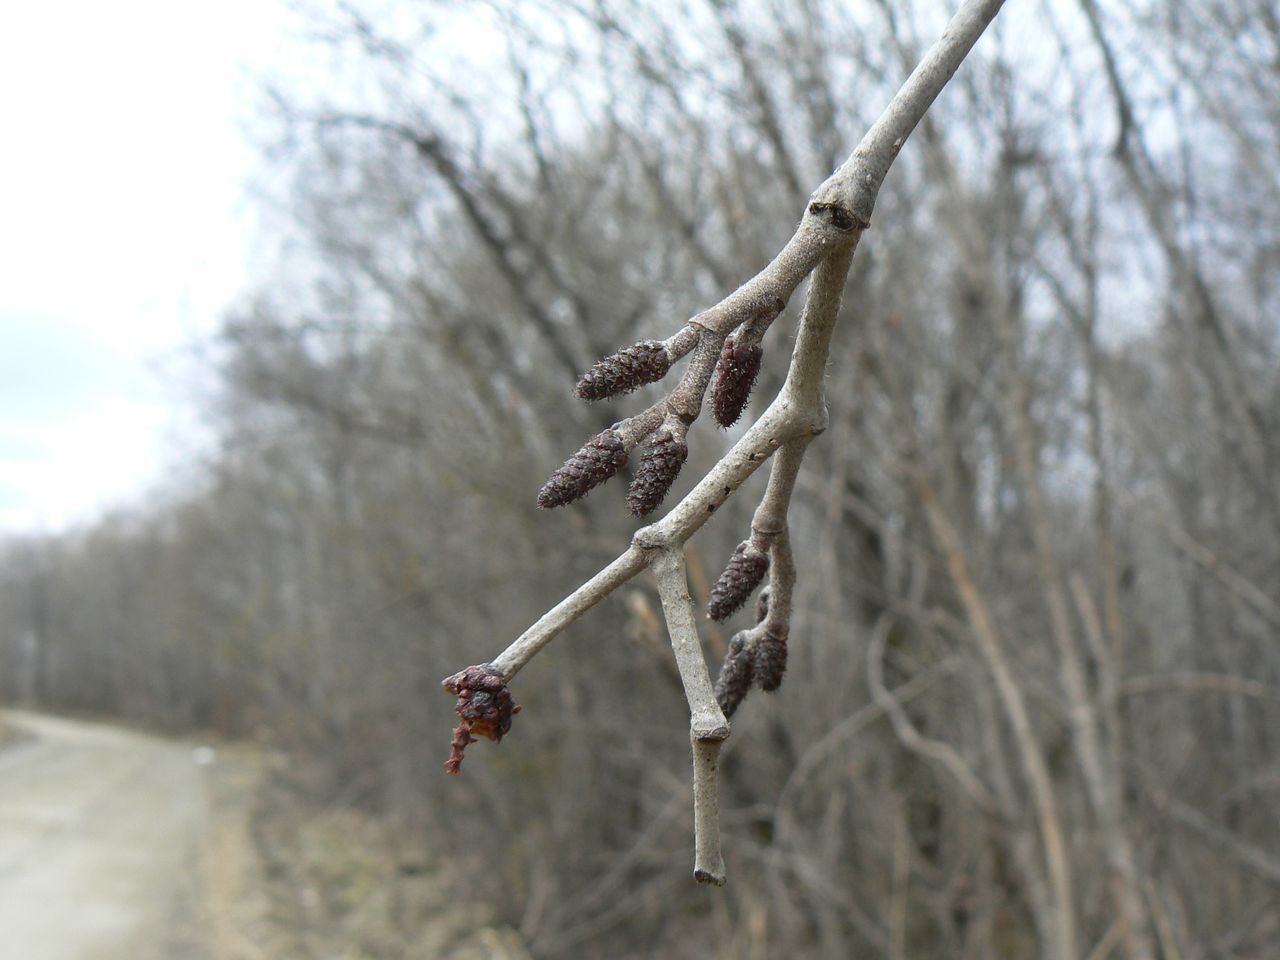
<point>124,230</point>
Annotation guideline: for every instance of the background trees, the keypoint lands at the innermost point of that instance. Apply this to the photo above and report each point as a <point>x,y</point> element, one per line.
<point>1037,546</point>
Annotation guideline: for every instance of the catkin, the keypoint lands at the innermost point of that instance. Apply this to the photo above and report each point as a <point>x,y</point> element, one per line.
<point>770,659</point>
<point>624,371</point>
<point>746,569</point>
<point>600,458</point>
<point>658,468</point>
<point>735,675</point>
<point>736,374</point>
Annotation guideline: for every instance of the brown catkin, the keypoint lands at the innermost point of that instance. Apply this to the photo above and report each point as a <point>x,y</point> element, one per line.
<point>736,374</point>
<point>600,458</point>
<point>735,675</point>
<point>629,368</point>
<point>746,569</point>
<point>769,659</point>
<point>658,468</point>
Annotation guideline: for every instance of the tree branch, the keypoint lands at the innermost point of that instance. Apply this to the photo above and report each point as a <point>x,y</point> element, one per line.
<point>823,244</point>
<point>936,751</point>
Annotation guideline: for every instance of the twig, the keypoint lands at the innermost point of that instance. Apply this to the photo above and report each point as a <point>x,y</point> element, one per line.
<point>911,738</point>
<point>708,728</point>
<point>759,655</point>
<point>1199,680</point>
<point>819,752</point>
<point>1263,863</point>
<point>1232,579</point>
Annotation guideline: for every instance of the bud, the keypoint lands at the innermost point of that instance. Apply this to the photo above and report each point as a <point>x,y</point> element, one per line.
<point>484,707</point>
<point>762,605</point>
<point>658,468</point>
<point>746,569</point>
<point>601,457</point>
<point>770,659</point>
<point>629,368</point>
<point>735,675</point>
<point>735,376</point>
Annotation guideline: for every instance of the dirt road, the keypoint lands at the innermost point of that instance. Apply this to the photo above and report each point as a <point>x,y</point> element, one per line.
<point>101,835</point>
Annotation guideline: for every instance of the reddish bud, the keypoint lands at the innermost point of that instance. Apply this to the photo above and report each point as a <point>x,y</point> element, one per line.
<point>601,457</point>
<point>629,368</point>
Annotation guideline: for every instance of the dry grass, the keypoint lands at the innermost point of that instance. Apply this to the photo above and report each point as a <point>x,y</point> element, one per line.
<point>290,878</point>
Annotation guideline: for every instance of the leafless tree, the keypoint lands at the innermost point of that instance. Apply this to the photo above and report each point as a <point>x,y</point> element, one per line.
<point>1031,699</point>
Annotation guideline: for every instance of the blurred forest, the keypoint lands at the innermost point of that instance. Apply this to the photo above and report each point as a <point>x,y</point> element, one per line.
<point>1038,547</point>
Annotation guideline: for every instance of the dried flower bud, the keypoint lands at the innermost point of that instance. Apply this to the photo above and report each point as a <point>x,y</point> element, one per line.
<point>770,659</point>
<point>735,376</point>
<point>601,457</point>
<point>629,368</point>
<point>484,707</point>
<point>461,737</point>
<point>658,468</point>
<point>746,569</point>
<point>735,675</point>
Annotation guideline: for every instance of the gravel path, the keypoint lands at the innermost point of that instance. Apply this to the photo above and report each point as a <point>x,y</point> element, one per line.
<point>101,839</point>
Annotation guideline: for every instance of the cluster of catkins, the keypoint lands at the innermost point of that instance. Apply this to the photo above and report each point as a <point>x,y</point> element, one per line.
<point>485,706</point>
<point>666,451</point>
<point>756,656</point>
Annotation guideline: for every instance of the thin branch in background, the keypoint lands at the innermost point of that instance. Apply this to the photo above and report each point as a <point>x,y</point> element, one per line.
<point>935,751</point>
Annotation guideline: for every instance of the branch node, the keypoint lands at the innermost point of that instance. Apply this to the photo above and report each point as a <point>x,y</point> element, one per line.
<point>839,216</point>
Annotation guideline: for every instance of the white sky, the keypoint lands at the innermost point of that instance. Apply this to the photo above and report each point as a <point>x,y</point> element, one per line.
<point>125,228</point>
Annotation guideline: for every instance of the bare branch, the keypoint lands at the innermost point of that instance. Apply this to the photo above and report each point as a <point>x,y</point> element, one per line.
<point>708,728</point>
<point>510,662</point>
<point>1263,863</point>
<point>934,750</point>
<point>823,244</point>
